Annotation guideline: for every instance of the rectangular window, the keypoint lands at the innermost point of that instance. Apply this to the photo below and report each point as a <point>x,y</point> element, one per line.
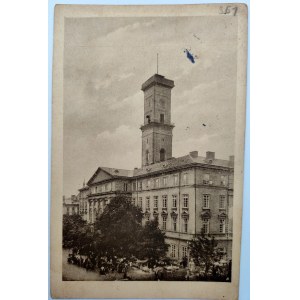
<point>155,202</point>
<point>206,199</point>
<point>184,251</point>
<point>164,223</point>
<point>222,226</point>
<point>106,187</point>
<point>173,250</point>
<point>223,180</point>
<point>140,185</point>
<point>164,201</point>
<point>174,201</point>
<point>185,178</point>
<point>140,204</point>
<point>148,203</point>
<point>206,179</point>
<point>175,180</point>
<point>205,226</point>
<point>185,225</point>
<point>133,201</point>
<point>222,202</point>
<point>148,183</point>
<point>156,183</point>
<point>174,219</point>
<point>148,218</point>
<point>125,187</point>
<point>164,181</point>
<point>185,200</point>
<point>96,189</point>
<point>134,186</point>
<point>162,118</point>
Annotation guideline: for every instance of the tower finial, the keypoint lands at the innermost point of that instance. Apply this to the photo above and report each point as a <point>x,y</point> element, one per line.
<point>84,182</point>
<point>156,63</point>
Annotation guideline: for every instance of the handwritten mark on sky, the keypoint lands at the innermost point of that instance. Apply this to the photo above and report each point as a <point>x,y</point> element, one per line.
<point>190,56</point>
<point>196,37</point>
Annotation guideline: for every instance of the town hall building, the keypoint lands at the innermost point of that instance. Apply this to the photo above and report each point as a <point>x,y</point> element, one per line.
<point>187,195</point>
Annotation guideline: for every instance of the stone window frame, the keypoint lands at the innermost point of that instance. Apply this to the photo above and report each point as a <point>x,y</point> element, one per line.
<point>173,250</point>
<point>185,178</point>
<point>205,225</point>
<point>164,223</point>
<point>175,182</point>
<point>185,200</point>
<point>222,202</point>
<point>164,201</point>
<point>174,223</point>
<point>206,200</point>
<point>222,226</point>
<point>148,202</point>
<point>185,224</point>
<point>174,200</point>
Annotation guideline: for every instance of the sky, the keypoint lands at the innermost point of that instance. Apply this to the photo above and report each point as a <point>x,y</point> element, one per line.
<point>106,60</point>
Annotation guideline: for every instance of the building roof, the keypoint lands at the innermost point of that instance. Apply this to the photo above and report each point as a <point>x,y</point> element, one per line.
<point>116,172</point>
<point>168,165</point>
<point>180,162</point>
<point>157,79</point>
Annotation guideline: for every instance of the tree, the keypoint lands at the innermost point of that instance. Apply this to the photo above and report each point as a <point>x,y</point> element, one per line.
<point>120,226</point>
<point>73,230</point>
<point>153,244</point>
<point>203,249</point>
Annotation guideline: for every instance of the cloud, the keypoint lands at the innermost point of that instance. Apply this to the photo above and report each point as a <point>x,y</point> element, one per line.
<point>130,101</point>
<point>121,147</point>
<point>110,79</point>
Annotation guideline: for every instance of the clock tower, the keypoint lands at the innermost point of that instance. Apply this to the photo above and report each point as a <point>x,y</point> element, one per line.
<point>157,128</point>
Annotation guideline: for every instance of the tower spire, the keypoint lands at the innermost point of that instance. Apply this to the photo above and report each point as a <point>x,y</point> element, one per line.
<point>156,63</point>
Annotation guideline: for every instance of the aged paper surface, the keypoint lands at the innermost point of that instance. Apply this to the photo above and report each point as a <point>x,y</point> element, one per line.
<point>100,53</point>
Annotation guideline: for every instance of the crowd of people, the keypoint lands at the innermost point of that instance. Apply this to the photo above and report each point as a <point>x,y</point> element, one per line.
<point>104,265</point>
<point>162,270</point>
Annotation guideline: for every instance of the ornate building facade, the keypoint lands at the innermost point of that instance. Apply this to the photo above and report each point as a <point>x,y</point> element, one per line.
<point>187,194</point>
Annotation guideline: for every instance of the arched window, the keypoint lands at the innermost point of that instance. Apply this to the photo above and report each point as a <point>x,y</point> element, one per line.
<point>162,154</point>
<point>147,157</point>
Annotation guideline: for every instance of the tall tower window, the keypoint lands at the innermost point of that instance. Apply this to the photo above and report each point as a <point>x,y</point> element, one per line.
<point>162,153</point>
<point>148,119</point>
<point>162,118</point>
<point>147,157</point>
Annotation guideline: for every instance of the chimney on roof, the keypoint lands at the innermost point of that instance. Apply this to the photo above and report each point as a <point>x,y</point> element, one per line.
<point>231,160</point>
<point>194,154</point>
<point>210,155</point>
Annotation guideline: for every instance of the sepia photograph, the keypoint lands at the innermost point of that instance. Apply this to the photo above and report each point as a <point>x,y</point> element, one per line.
<point>150,140</point>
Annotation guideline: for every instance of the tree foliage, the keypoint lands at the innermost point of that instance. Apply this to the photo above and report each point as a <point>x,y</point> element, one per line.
<point>73,230</point>
<point>118,231</point>
<point>120,227</point>
<point>153,244</point>
<point>123,235</point>
<point>203,249</point>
